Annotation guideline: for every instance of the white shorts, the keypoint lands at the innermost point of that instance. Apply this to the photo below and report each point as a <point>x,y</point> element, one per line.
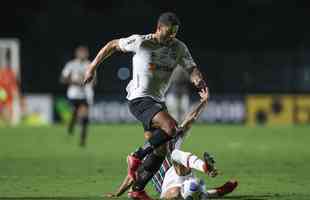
<point>172,179</point>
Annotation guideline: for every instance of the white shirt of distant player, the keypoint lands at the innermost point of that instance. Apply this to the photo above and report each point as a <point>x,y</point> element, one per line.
<point>75,70</point>
<point>153,64</point>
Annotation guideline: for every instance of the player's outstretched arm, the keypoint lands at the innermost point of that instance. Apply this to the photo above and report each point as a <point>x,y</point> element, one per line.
<point>127,182</point>
<point>195,113</point>
<point>103,54</point>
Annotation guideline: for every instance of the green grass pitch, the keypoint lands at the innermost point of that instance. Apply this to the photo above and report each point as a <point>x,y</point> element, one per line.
<point>45,163</point>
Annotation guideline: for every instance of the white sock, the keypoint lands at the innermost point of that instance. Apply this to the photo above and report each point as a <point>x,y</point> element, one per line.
<point>188,160</point>
<point>212,193</point>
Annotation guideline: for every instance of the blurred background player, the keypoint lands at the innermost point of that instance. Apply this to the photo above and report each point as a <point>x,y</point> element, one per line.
<point>9,89</point>
<point>177,98</point>
<point>79,95</point>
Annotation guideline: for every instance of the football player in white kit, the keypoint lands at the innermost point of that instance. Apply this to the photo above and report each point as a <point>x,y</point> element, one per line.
<point>155,57</point>
<point>79,95</point>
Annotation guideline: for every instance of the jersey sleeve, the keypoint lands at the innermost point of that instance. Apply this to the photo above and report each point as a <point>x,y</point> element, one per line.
<point>186,59</point>
<point>129,44</point>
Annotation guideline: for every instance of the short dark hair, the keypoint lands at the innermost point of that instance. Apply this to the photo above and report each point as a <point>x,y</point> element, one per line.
<point>169,19</point>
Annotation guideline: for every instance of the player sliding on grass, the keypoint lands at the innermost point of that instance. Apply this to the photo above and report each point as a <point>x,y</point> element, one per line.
<point>179,181</point>
<point>175,178</point>
<point>155,57</point>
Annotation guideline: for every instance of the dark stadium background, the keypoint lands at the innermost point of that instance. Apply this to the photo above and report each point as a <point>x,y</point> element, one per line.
<point>248,46</point>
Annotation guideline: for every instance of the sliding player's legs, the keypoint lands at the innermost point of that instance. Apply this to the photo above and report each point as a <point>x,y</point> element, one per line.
<point>222,190</point>
<point>192,161</point>
<point>193,187</point>
<point>179,182</point>
<point>179,177</point>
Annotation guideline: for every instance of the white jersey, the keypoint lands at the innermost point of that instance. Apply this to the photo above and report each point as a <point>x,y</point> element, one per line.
<point>74,70</point>
<point>153,64</point>
<point>172,179</point>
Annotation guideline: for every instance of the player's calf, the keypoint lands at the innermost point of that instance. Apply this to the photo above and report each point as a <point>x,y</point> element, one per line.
<point>74,116</point>
<point>147,170</point>
<point>133,165</point>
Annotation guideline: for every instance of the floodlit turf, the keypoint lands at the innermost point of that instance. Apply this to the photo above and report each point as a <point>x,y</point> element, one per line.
<point>45,163</point>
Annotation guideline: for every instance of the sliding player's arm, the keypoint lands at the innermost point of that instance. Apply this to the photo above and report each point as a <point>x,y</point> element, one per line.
<point>127,182</point>
<point>195,113</point>
<point>103,54</point>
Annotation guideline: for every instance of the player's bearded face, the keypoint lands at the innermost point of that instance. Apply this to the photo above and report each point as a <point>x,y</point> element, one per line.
<point>167,33</point>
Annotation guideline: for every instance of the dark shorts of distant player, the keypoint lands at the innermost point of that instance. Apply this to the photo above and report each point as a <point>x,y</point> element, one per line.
<point>144,109</point>
<point>76,103</point>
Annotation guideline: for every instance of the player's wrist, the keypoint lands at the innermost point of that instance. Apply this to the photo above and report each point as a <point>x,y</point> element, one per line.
<point>201,84</point>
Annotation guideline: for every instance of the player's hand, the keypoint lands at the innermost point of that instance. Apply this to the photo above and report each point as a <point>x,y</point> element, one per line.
<point>89,75</point>
<point>204,94</point>
<point>110,195</point>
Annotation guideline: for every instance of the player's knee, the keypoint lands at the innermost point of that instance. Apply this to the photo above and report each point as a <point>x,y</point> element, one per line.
<point>170,128</point>
<point>175,154</point>
<point>83,111</point>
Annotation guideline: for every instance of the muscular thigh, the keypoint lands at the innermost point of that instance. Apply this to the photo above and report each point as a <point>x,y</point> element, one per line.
<point>164,121</point>
<point>144,109</point>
